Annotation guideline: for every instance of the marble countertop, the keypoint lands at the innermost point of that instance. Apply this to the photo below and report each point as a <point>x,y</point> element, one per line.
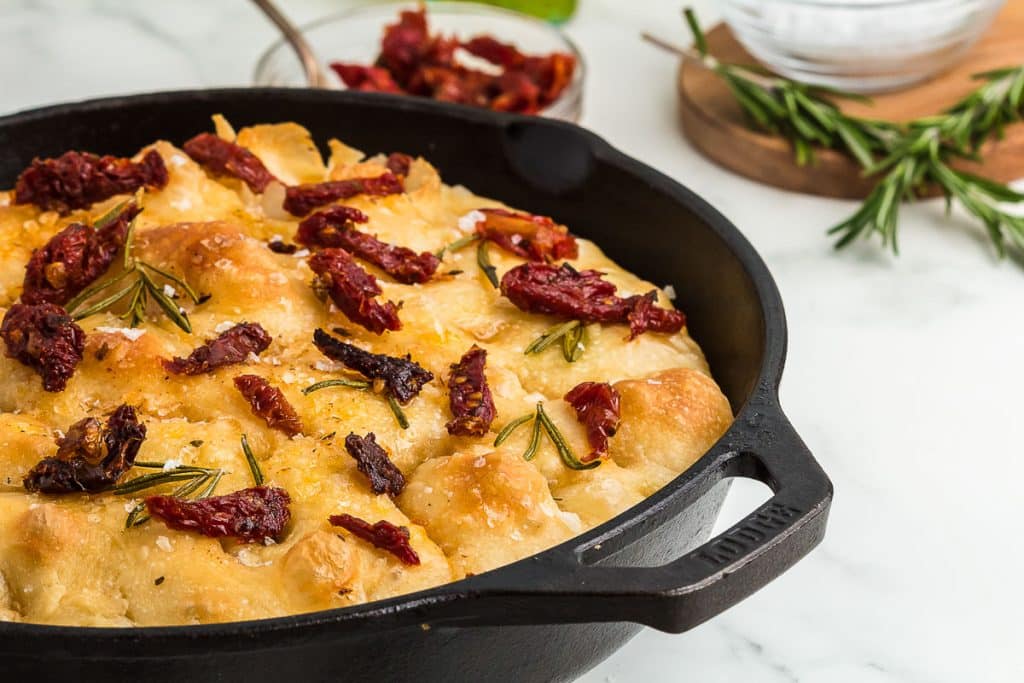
<point>903,375</point>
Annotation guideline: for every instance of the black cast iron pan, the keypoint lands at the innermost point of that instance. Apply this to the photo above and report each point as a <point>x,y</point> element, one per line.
<point>548,617</point>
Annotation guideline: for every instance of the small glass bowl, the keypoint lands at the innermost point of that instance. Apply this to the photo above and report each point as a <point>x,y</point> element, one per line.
<point>354,36</point>
<point>859,45</point>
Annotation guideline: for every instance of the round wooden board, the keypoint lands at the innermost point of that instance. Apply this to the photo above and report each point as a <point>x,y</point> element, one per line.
<point>716,125</point>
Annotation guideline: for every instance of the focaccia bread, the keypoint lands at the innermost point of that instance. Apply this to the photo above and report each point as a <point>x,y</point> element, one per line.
<point>101,384</point>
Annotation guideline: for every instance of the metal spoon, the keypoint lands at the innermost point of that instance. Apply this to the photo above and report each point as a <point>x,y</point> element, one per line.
<point>310,64</point>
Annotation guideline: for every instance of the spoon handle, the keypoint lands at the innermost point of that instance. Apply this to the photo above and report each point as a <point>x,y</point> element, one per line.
<point>314,75</point>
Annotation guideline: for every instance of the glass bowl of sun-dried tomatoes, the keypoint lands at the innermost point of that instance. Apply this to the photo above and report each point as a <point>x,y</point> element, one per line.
<point>451,51</point>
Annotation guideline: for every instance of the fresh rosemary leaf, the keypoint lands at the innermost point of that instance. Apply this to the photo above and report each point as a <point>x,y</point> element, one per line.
<point>531,448</point>
<point>250,458</point>
<point>550,336</point>
<point>507,430</point>
<point>104,304</point>
<point>360,384</point>
<point>483,259</point>
<point>396,409</point>
<point>93,290</point>
<point>456,245</point>
<point>129,242</point>
<point>148,464</point>
<point>189,292</point>
<point>136,516</point>
<point>212,486</point>
<point>111,215</point>
<point>573,343</point>
<point>147,481</point>
<point>561,445</point>
<point>170,309</point>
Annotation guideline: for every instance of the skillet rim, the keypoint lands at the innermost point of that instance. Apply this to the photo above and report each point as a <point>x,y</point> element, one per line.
<point>413,608</point>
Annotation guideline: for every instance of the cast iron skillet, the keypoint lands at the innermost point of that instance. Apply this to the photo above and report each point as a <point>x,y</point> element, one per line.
<point>548,617</point>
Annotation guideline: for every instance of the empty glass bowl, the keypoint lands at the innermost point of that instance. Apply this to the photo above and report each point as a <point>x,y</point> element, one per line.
<point>354,36</point>
<point>859,45</point>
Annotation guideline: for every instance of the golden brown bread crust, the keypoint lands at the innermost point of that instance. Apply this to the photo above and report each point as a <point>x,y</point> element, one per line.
<point>469,506</point>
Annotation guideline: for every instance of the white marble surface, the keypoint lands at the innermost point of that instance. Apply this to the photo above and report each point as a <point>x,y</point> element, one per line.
<point>904,374</point>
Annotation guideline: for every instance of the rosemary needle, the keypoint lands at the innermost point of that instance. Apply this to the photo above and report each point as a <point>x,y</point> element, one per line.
<point>362,385</point>
<point>250,458</point>
<point>456,245</point>
<point>561,445</point>
<point>907,159</point>
<point>507,430</point>
<point>483,259</point>
<point>531,448</point>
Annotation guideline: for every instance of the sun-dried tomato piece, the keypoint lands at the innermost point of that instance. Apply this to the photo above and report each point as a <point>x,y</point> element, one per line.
<point>552,73</point>
<point>365,78</point>
<point>494,51</point>
<point>301,199</point>
<point>353,290</point>
<point>322,228</point>
<point>597,408</point>
<point>373,461</point>
<point>469,395</point>
<point>333,227</point>
<point>77,180</point>
<point>221,157</point>
<point>399,164</point>
<point>46,339</point>
<point>74,258</point>
<point>268,402</point>
<point>402,377</point>
<point>251,515</point>
<point>517,93</point>
<point>230,347</point>
<point>537,238</point>
<point>383,535</point>
<point>405,44</point>
<point>570,294</point>
<point>90,457</point>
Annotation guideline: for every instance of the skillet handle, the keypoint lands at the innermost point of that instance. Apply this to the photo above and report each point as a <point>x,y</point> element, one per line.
<point>706,581</point>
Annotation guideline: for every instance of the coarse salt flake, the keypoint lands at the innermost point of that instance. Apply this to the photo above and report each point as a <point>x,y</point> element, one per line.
<point>129,333</point>
<point>224,327</point>
<point>164,544</point>
<point>467,223</point>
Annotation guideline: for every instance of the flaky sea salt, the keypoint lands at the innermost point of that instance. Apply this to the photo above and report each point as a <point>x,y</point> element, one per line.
<point>224,326</point>
<point>164,544</point>
<point>129,333</point>
<point>467,223</point>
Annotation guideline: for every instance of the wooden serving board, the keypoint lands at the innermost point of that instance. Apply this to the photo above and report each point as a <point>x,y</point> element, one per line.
<point>716,125</point>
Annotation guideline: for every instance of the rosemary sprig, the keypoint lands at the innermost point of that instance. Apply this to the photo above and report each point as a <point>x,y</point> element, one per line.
<point>250,459</point>
<point>801,113</point>
<point>362,385</point>
<point>542,422</point>
<point>193,478</point>
<point>908,159</point>
<point>920,159</point>
<point>571,334</point>
<point>143,288</point>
